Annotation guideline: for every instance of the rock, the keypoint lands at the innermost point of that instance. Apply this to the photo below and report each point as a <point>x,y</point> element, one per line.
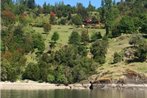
<point>135,77</point>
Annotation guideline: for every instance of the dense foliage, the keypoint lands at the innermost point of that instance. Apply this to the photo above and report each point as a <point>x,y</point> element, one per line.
<point>83,53</point>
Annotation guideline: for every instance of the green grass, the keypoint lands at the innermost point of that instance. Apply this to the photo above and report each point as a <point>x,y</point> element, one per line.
<point>64,32</point>
<point>115,45</point>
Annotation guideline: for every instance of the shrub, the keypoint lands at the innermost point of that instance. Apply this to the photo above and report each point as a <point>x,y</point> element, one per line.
<point>85,37</point>
<point>8,71</point>
<point>117,57</point>
<point>115,32</point>
<point>50,78</point>
<point>32,72</point>
<point>99,50</point>
<point>47,27</point>
<point>55,37</point>
<point>96,36</point>
<point>38,42</point>
<point>82,50</point>
<point>63,21</point>
<point>140,47</point>
<point>135,40</point>
<point>77,20</point>
<point>74,38</point>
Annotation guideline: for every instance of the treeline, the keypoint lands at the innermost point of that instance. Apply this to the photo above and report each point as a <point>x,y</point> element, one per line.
<point>125,17</point>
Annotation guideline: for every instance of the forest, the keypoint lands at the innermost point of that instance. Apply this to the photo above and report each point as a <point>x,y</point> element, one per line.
<point>67,44</point>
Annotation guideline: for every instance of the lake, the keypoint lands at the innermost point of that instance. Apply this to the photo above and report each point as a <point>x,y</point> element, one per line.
<point>97,93</point>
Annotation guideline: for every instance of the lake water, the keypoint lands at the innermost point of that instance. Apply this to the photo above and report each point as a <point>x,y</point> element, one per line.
<point>126,93</point>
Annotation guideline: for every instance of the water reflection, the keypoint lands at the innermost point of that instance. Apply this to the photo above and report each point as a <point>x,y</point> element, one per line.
<point>109,93</point>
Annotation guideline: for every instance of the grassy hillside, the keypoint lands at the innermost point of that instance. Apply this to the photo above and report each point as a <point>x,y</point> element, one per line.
<point>115,45</point>
<point>64,33</point>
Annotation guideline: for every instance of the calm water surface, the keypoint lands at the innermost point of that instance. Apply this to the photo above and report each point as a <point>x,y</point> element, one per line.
<point>126,93</point>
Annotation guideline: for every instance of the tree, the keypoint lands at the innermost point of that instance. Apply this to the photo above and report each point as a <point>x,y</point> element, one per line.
<point>38,42</point>
<point>8,17</point>
<point>74,38</point>
<point>99,50</point>
<point>126,25</point>
<point>52,17</point>
<point>55,37</point>
<point>31,4</point>
<point>107,14</point>
<point>44,70</point>
<point>77,20</point>
<point>66,55</point>
<point>85,37</point>
<point>60,76</point>
<point>140,45</point>
<point>143,23</point>
<point>90,7</point>
<point>82,50</point>
<point>81,10</point>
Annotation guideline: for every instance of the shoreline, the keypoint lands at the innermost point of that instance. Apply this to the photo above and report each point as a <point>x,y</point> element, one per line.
<point>78,86</point>
<point>37,86</point>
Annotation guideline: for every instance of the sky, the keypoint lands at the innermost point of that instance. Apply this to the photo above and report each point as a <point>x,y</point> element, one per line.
<point>96,3</point>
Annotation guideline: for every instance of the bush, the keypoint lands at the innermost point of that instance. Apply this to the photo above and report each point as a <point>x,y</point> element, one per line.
<point>117,57</point>
<point>115,32</point>
<point>8,71</point>
<point>63,21</point>
<point>47,27</point>
<point>55,37</point>
<point>32,72</point>
<point>61,79</point>
<point>96,36</point>
<point>135,40</point>
<point>44,70</point>
<point>60,76</point>
<point>50,78</point>
<point>140,47</point>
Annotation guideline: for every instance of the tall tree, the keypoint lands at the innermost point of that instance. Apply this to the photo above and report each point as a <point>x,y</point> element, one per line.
<point>81,10</point>
<point>31,4</point>
<point>90,7</point>
<point>107,14</point>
